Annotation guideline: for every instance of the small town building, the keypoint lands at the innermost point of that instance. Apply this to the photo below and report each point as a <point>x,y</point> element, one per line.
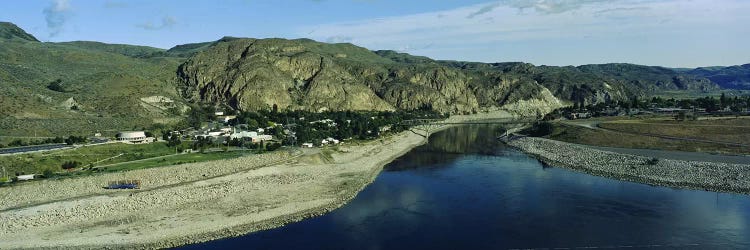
<point>243,134</point>
<point>226,118</point>
<point>25,177</point>
<point>307,145</point>
<point>260,138</point>
<point>134,137</point>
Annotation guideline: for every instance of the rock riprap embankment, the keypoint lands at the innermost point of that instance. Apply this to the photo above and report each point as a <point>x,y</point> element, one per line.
<point>713,176</point>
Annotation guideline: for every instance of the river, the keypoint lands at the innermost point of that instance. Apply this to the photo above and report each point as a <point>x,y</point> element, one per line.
<point>466,190</point>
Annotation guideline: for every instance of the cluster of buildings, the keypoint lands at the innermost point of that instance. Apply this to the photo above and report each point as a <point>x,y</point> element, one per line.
<point>326,141</point>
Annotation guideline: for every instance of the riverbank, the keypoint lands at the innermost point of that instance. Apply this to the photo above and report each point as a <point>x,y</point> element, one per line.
<point>192,203</point>
<point>712,176</point>
<point>197,202</point>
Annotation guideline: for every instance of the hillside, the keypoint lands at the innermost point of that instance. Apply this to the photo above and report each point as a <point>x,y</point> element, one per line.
<point>251,74</point>
<point>97,89</point>
<point>9,31</point>
<point>82,86</point>
<point>123,49</point>
<point>732,77</point>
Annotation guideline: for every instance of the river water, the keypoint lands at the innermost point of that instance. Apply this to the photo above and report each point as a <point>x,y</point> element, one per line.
<point>465,190</point>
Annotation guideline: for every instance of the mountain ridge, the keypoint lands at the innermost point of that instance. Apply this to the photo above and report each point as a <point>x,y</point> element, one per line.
<point>113,80</point>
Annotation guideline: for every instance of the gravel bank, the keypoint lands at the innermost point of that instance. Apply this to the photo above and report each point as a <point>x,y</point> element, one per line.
<point>713,176</point>
<point>191,203</point>
<point>34,193</point>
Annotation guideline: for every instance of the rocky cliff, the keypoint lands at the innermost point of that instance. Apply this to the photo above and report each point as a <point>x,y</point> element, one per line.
<point>252,74</point>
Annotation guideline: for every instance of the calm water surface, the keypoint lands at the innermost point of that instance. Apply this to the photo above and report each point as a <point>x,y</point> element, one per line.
<point>464,190</point>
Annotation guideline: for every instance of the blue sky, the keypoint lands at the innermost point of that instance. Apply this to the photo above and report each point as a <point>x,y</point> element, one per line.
<point>674,33</point>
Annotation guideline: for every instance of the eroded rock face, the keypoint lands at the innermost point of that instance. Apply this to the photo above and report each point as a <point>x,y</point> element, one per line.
<point>251,74</point>
<point>254,74</point>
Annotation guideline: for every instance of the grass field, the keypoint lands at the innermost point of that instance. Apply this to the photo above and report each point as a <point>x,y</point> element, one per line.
<point>37,163</point>
<point>629,134</point>
<point>723,130</point>
<point>174,160</point>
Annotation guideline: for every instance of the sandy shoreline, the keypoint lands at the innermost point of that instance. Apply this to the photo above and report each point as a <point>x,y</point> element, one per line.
<point>710,176</point>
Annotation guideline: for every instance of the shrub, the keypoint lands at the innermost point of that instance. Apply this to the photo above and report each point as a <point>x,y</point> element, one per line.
<point>652,161</point>
<point>48,173</point>
<point>540,129</point>
<point>56,85</point>
<point>70,164</point>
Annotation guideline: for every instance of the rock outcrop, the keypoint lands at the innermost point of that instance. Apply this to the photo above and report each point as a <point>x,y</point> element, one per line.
<point>254,74</point>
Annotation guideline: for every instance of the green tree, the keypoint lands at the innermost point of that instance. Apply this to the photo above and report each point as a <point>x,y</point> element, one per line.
<point>70,165</point>
<point>56,85</point>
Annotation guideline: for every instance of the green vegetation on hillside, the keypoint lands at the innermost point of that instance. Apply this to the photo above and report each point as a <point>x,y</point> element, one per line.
<point>123,49</point>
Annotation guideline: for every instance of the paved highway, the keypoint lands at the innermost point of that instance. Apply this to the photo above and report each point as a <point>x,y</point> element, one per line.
<point>28,149</point>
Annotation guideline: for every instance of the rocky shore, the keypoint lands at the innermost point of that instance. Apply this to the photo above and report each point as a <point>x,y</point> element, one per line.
<point>712,176</point>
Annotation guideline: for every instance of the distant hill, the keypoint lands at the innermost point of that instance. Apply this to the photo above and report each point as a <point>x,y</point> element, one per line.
<point>10,31</point>
<point>123,49</point>
<point>732,77</point>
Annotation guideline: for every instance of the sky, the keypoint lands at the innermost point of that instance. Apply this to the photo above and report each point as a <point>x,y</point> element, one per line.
<point>672,33</point>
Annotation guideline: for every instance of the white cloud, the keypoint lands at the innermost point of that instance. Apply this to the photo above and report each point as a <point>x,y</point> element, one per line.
<point>166,22</point>
<point>546,21</point>
<point>56,15</point>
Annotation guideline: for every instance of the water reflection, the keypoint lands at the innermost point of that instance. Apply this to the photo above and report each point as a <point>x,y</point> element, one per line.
<point>482,195</point>
<point>451,144</point>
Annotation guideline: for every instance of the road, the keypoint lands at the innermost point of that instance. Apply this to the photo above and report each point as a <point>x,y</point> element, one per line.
<point>31,149</point>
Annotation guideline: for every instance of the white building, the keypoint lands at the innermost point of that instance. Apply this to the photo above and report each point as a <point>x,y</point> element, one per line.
<point>243,134</point>
<point>134,137</point>
<point>226,119</point>
<point>25,177</point>
<point>307,145</point>
<point>260,138</point>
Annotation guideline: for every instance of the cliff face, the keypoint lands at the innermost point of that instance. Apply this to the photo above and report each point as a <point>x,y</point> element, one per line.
<point>253,74</point>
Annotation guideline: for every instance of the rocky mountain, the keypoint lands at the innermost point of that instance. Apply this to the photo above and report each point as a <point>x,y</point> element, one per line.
<point>251,74</point>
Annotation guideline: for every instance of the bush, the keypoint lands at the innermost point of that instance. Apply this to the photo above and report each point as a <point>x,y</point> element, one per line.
<point>652,161</point>
<point>273,146</point>
<point>48,173</point>
<point>70,164</point>
<point>539,129</point>
<point>75,139</point>
<point>56,85</point>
